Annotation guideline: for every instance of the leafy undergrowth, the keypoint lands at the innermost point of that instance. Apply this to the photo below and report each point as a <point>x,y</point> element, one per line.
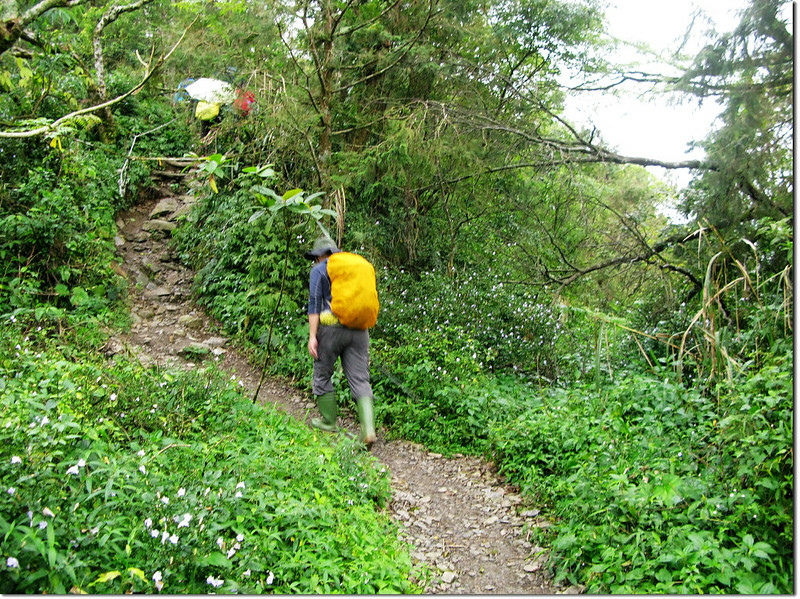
<point>659,489</point>
<point>116,478</point>
<point>651,485</point>
<point>651,488</point>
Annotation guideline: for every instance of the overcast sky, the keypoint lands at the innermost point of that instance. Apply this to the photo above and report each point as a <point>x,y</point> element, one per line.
<point>656,128</point>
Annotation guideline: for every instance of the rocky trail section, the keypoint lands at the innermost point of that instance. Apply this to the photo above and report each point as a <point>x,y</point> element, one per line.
<point>463,521</point>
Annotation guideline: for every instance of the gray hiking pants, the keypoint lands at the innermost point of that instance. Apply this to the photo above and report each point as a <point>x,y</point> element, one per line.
<point>352,346</point>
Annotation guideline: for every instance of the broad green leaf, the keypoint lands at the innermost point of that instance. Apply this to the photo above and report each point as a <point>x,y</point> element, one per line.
<point>565,541</point>
<point>52,555</point>
<point>256,215</point>
<point>79,296</point>
<point>298,208</point>
<point>314,195</point>
<point>291,193</point>
<point>663,575</point>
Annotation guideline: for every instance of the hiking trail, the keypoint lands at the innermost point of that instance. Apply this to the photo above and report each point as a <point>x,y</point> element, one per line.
<point>463,521</point>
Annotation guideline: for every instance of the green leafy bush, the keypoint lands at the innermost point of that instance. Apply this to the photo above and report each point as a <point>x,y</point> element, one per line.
<point>655,488</point>
<point>449,356</point>
<point>122,479</point>
<point>238,266</point>
<point>499,327</point>
<point>56,241</point>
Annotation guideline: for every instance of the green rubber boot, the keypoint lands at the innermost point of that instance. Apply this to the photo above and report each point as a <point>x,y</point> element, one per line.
<point>329,409</point>
<point>367,420</point>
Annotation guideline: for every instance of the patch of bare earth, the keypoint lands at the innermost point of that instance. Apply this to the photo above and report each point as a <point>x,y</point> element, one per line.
<point>469,527</point>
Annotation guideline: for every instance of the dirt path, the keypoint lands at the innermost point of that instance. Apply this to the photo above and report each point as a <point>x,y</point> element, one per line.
<point>464,522</point>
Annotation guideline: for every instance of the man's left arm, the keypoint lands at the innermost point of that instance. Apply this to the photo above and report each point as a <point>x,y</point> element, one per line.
<point>313,327</point>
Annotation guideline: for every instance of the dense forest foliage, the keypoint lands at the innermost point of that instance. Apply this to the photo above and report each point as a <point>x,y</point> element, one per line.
<point>632,374</point>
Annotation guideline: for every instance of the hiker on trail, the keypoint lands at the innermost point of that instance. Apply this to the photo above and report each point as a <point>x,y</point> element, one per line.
<point>328,340</point>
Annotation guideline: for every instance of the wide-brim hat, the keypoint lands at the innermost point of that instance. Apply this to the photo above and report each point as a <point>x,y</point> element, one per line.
<point>322,247</point>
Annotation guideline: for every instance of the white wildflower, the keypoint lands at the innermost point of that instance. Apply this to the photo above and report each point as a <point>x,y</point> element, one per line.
<point>215,582</point>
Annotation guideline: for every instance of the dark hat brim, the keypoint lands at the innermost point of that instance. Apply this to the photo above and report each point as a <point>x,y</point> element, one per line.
<point>321,252</point>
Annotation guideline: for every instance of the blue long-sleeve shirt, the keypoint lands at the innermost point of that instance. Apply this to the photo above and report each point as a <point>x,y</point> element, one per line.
<point>319,289</point>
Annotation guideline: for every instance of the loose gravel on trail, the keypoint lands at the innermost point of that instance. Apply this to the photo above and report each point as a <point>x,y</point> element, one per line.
<point>464,523</point>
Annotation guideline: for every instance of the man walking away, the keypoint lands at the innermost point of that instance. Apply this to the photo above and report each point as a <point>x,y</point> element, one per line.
<point>328,340</point>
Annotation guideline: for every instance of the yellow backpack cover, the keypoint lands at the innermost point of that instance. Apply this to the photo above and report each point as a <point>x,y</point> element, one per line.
<point>354,296</point>
<point>206,111</point>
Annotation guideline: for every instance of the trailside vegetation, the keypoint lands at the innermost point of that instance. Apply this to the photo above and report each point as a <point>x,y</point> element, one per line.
<point>630,373</point>
<point>125,479</point>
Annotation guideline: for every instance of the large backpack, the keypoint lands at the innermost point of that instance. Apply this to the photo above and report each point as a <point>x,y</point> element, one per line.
<point>354,297</point>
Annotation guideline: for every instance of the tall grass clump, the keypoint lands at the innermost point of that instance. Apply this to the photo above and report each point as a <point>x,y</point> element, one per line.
<point>118,478</point>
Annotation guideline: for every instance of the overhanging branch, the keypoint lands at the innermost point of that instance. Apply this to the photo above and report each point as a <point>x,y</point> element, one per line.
<point>150,70</point>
